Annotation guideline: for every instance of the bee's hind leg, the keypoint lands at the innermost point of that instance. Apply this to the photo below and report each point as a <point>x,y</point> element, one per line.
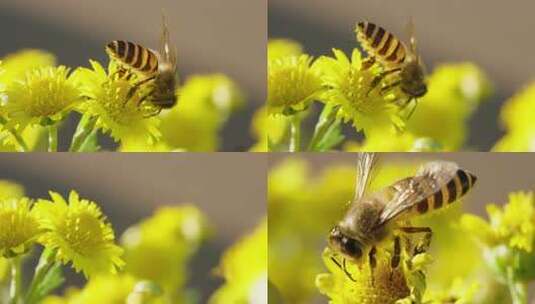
<point>396,256</point>
<point>427,236</point>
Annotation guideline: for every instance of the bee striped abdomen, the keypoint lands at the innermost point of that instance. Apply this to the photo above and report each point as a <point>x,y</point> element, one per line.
<point>380,43</point>
<point>458,186</point>
<point>134,56</point>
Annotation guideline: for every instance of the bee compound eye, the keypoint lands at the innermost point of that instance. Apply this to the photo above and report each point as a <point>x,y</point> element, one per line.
<point>352,247</point>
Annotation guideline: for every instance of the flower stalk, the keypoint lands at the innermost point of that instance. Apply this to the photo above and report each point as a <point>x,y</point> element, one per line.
<point>52,138</point>
<point>16,280</point>
<point>295,134</point>
<point>85,128</point>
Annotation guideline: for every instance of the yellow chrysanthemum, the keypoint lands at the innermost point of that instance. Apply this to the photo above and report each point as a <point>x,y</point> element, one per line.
<point>16,65</point>
<point>168,239</point>
<point>106,99</point>
<point>44,96</point>
<point>79,233</point>
<point>349,87</point>
<point>387,286</point>
<point>517,117</point>
<point>454,93</point>
<point>292,83</point>
<point>19,226</point>
<point>194,124</point>
<point>269,130</point>
<point>244,267</point>
<point>280,48</point>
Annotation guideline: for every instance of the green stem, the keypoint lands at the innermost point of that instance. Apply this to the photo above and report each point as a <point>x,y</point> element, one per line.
<point>295,134</point>
<point>325,122</point>
<point>21,144</point>
<point>518,290</point>
<point>16,280</point>
<point>83,131</point>
<point>52,138</point>
<point>46,261</point>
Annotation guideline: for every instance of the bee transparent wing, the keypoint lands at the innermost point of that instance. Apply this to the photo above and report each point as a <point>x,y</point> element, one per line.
<point>410,191</point>
<point>167,51</point>
<point>411,30</point>
<point>365,164</point>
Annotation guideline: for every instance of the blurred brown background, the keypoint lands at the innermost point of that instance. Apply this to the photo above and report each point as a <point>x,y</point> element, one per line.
<point>227,36</point>
<point>496,35</point>
<point>498,173</point>
<point>230,188</point>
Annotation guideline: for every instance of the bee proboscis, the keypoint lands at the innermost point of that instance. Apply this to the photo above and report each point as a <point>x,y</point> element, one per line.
<point>382,46</point>
<point>155,67</point>
<point>376,217</point>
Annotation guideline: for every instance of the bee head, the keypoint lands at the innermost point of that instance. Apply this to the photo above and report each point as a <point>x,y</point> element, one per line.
<point>413,79</point>
<point>349,247</point>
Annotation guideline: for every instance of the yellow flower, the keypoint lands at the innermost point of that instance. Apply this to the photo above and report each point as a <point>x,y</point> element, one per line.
<point>244,267</point>
<point>280,48</point>
<point>387,286</point>
<point>79,233</point>
<point>19,227</point>
<point>292,84</point>
<point>44,96</point>
<point>194,124</point>
<point>107,100</point>
<point>454,93</point>
<point>269,130</point>
<point>109,289</point>
<point>10,190</point>
<point>349,87</point>
<point>517,117</point>
<point>15,66</point>
<point>167,239</point>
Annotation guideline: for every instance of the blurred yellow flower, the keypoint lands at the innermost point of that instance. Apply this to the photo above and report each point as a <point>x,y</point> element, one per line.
<point>349,87</point>
<point>19,226</point>
<point>518,119</point>
<point>16,65</point>
<point>10,190</point>
<point>292,84</point>
<point>280,48</point>
<point>107,100</point>
<point>168,239</point>
<point>454,93</point>
<point>194,124</point>
<point>244,267</point>
<point>44,96</point>
<point>79,233</point>
<point>269,130</point>
<point>109,289</point>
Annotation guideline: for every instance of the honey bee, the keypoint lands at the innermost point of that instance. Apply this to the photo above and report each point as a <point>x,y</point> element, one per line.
<point>376,217</point>
<point>385,48</point>
<point>157,67</point>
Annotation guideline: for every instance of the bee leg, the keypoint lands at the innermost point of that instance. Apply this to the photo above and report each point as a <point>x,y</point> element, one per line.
<point>368,62</point>
<point>396,257</point>
<point>343,267</point>
<point>413,108</point>
<point>155,113</point>
<point>390,86</point>
<point>428,234</point>
<point>373,263</point>
<point>138,84</point>
<point>375,82</point>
